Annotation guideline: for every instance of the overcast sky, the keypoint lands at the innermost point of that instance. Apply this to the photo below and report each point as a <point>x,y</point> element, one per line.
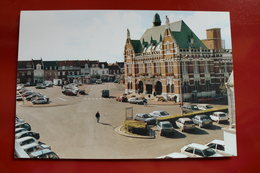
<point>101,34</point>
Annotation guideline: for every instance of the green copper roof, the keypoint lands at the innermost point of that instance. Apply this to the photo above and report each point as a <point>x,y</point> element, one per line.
<point>137,46</point>
<point>180,31</point>
<point>156,20</point>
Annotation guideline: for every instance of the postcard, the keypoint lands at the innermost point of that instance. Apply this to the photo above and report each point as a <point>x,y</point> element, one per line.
<point>124,84</point>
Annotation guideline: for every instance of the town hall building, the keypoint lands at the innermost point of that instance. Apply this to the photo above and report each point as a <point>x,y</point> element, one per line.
<point>171,61</point>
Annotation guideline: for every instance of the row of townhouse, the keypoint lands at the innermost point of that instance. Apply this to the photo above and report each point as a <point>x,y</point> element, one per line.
<point>82,71</point>
<point>170,60</point>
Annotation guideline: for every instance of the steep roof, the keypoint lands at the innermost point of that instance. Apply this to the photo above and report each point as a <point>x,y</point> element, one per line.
<point>137,46</point>
<point>179,30</point>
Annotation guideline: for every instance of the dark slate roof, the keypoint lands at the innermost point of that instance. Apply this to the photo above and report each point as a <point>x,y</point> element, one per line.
<point>24,64</point>
<point>50,63</point>
<point>37,61</point>
<point>105,64</point>
<point>120,64</point>
<point>156,20</point>
<point>180,31</point>
<point>137,46</point>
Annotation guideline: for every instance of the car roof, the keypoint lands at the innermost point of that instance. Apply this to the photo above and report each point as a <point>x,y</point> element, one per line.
<point>202,115</point>
<point>219,112</point>
<point>21,133</point>
<point>24,139</point>
<point>176,155</point>
<point>17,129</point>
<point>198,146</point>
<point>165,122</point>
<point>31,145</point>
<point>40,152</point>
<point>185,119</point>
<point>217,141</point>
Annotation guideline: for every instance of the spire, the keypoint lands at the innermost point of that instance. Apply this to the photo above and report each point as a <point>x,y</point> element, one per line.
<point>167,22</point>
<point>156,20</point>
<point>128,34</point>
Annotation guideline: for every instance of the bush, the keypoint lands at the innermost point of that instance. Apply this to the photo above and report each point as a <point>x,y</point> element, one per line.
<point>136,127</point>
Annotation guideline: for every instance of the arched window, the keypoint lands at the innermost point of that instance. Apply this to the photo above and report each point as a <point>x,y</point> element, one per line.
<point>172,88</point>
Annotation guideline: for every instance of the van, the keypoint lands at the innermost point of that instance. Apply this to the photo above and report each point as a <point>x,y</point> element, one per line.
<point>105,93</point>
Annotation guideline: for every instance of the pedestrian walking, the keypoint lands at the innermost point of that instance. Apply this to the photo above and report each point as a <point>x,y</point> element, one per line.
<point>97,117</point>
<point>175,98</point>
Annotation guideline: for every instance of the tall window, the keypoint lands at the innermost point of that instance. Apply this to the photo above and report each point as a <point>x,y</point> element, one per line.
<point>190,67</point>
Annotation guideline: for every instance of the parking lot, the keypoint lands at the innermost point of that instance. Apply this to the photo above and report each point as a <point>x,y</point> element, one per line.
<point>69,126</point>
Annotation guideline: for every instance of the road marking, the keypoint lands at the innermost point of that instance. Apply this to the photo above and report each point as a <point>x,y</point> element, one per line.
<point>62,99</point>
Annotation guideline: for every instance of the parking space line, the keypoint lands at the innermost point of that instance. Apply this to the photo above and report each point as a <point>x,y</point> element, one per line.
<point>62,99</point>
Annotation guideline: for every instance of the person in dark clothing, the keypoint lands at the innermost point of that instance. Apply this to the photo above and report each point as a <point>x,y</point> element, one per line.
<point>175,99</point>
<point>97,117</point>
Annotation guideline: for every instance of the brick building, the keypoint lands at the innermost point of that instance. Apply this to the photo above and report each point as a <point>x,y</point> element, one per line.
<point>170,60</point>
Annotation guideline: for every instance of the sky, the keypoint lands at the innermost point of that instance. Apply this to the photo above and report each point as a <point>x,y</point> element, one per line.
<point>101,34</point>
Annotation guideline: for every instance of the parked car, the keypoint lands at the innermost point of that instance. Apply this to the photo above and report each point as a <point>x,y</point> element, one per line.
<point>32,147</point>
<point>217,145</point>
<point>27,93</point>
<point>105,93</point>
<point>173,156</point>
<point>198,150</point>
<point>27,133</point>
<point>40,86</point>
<point>19,120</point>
<point>122,99</point>
<point>98,81</point>
<point>23,125</point>
<point>82,92</point>
<point>157,114</point>
<point>135,100</point>
<point>44,154</point>
<point>219,116</point>
<point>187,108</point>
<point>48,83</point>
<point>204,106</point>
<point>18,130</point>
<point>19,98</point>
<point>26,140</point>
<point>146,118</point>
<point>70,92</point>
<point>30,97</point>
<point>185,124</point>
<point>41,100</point>
<point>202,120</point>
<point>165,127</point>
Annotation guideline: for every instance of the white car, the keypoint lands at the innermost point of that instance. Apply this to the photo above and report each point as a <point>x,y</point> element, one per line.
<point>44,154</point>
<point>157,114</point>
<point>219,116</point>
<point>185,124</point>
<point>18,130</point>
<point>204,106</point>
<point>165,127</point>
<point>173,156</point>
<point>198,150</point>
<point>26,140</point>
<point>32,147</point>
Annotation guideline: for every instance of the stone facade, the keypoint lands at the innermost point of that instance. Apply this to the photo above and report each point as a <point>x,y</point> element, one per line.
<point>170,60</point>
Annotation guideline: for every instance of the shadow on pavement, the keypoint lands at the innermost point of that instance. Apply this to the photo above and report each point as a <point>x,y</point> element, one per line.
<point>106,124</point>
<point>198,131</point>
<point>214,127</point>
<point>176,134</point>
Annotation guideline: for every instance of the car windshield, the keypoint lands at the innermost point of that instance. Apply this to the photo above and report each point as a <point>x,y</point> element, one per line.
<point>194,107</point>
<point>188,122</point>
<point>209,152</point>
<point>222,115</point>
<point>164,113</point>
<point>209,106</point>
<point>205,118</point>
<point>168,125</point>
<point>146,116</point>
